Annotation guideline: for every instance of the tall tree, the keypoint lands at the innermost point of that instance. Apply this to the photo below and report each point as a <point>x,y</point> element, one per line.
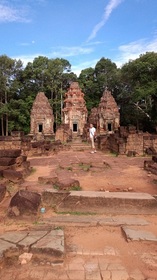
<point>139,91</point>
<point>9,70</point>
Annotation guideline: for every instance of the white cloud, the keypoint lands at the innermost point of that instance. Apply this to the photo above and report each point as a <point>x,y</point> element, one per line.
<point>25,44</point>
<point>134,49</point>
<point>86,64</point>
<point>27,58</point>
<point>71,51</point>
<point>107,12</point>
<point>10,14</point>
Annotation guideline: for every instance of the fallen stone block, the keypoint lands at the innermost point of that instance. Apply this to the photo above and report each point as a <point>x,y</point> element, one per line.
<point>138,235</point>
<point>2,192</point>
<point>150,166</point>
<point>26,202</point>
<point>13,175</point>
<point>68,184</point>
<point>6,161</point>
<point>25,258</point>
<point>48,180</point>
<point>20,160</point>
<point>10,153</point>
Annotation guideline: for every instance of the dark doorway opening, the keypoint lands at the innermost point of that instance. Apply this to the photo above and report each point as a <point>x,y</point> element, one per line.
<point>109,127</point>
<point>40,128</point>
<point>74,127</point>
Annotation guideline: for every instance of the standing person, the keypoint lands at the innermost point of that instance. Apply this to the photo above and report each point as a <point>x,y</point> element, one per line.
<point>92,132</point>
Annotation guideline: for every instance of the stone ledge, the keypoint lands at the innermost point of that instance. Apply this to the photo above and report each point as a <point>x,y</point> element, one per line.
<point>107,202</point>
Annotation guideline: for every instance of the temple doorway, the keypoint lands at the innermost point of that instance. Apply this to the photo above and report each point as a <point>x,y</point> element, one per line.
<point>75,127</point>
<point>40,127</point>
<point>109,126</point>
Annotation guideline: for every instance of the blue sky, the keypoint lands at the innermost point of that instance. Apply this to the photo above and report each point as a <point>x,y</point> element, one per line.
<point>81,31</point>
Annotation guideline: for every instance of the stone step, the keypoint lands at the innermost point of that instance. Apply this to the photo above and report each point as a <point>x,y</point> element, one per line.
<point>103,202</point>
<point>80,146</point>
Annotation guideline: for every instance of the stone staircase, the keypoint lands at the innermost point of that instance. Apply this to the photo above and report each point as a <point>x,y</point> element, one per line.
<point>78,145</point>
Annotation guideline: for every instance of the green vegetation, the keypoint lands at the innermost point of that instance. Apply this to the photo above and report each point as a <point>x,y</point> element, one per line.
<point>69,168</point>
<point>58,228</point>
<point>33,170</point>
<point>56,187</point>
<point>134,87</point>
<point>85,166</point>
<point>75,188</point>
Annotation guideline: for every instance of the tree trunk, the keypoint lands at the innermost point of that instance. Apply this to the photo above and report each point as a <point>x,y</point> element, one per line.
<point>6,125</point>
<point>2,126</point>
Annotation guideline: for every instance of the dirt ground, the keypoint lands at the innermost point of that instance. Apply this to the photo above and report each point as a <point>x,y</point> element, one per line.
<point>95,172</point>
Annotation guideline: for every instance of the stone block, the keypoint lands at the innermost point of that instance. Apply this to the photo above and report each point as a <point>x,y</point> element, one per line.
<point>138,235</point>
<point>8,153</point>
<point>31,238</point>
<point>52,243</point>
<point>13,175</point>
<point>6,161</point>
<point>11,237</point>
<point>119,202</point>
<point>67,183</point>
<point>52,197</point>
<point>26,202</point>
<point>48,180</point>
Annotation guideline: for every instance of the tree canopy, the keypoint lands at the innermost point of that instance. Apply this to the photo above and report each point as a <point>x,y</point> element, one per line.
<point>134,87</point>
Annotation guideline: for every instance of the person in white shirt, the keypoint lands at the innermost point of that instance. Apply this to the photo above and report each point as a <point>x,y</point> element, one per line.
<point>92,132</point>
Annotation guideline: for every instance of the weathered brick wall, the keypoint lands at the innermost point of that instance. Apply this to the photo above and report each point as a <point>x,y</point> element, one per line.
<point>137,142</point>
<point>9,142</point>
<point>149,141</point>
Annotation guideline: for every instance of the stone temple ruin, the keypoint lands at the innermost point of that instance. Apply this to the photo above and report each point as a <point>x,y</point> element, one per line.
<point>42,119</point>
<point>108,114</point>
<point>75,111</point>
<point>106,118</point>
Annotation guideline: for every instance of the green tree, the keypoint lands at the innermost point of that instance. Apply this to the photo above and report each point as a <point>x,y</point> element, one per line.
<point>139,91</point>
<point>9,70</point>
<point>88,83</point>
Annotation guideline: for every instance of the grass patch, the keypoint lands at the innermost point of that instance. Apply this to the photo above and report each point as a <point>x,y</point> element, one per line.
<point>56,187</point>
<point>58,228</point>
<point>85,166</point>
<point>33,170</point>
<point>114,154</point>
<point>75,188</point>
<point>69,168</point>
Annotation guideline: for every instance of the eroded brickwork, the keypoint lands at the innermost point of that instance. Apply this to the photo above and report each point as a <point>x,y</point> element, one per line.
<point>42,119</point>
<point>75,111</point>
